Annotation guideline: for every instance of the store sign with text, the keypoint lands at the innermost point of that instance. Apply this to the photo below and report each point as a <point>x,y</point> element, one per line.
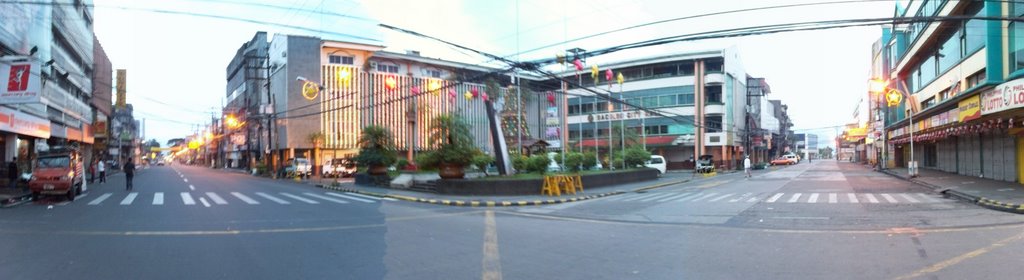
<point>1009,95</point>
<point>22,83</point>
<point>970,108</point>
<point>614,116</point>
<point>22,123</point>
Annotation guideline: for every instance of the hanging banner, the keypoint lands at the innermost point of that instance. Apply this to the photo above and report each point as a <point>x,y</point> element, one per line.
<point>970,108</point>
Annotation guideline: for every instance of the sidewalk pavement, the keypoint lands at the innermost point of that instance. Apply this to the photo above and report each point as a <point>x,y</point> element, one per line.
<point>665,180</point>
<point>993,194</point>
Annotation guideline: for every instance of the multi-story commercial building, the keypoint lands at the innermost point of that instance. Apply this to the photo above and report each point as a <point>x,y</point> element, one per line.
<point>700,101</point>
<point>247,96</point>
<point>51,48</point>
<point>962,78</point>
<point>101,102</point>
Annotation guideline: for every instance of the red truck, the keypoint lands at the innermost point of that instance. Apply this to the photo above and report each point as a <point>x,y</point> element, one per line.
<point>58,172</point>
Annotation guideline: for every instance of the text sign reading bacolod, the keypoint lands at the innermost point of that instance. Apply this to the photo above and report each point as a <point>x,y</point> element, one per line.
<point>1009,95</point>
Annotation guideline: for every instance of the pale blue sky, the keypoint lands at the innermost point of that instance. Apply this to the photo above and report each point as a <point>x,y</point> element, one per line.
<point>176,63</point>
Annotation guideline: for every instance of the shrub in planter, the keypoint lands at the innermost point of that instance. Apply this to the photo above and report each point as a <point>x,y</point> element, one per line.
<point>538,163</point>
<point>401,164</point>
<point>455,146</point>
<point>636,156</point>
<point>376,150</point>
<point>589,160</point>
<point>574,161</point>
<point>481,161</point>
<point>519,163</point>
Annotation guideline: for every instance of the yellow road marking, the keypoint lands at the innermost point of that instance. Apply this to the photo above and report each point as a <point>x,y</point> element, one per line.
<point>491,261</point>
<point>969,255</point>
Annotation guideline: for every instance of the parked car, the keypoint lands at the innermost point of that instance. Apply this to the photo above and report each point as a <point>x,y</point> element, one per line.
<point>657,162</point>
<point>57,172</point>
<point>299,166</point>
<point>783,160</point>
<point>339,167</point>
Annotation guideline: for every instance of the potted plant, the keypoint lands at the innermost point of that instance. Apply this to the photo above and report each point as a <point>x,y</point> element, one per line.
<point>454,149</point>
<point>376,150</point>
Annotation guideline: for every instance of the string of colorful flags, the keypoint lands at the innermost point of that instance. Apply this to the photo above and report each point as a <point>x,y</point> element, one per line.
<point>959,130</point>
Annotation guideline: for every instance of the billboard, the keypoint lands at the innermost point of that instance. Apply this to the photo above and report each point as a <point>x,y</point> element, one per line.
<point>121,88</point>
<point>22,82</point>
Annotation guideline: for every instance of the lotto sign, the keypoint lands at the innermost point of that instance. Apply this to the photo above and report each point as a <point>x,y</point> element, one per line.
<point>1009,95</point>
<point>22,83</point>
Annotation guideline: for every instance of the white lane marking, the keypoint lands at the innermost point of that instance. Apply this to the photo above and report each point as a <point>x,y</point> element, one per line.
<point>695,195</point>
<point>216,198</point>
<point>245,198</point>
<point>852,197</point>
<point>656,197</point>
<point>720,198</point>
<point>833,198</point>
<point>909,198</point>
<point>775,197</point>
<point>272,198</point>
<point>186,180</point>
<point>100,199</point>
<point>187,199</point>
<point>741,197</point>
<point>752,199</point>
<point>617,197</point>
<point>678,196</point>
<point>326,198</point>
<point>705,196</point>
<point>813,198</point>
<point>871,198</point>
<point>795,197</point>
<point>349,197</point>
<point>128,199</point>
<point>158,198</point>
<point>928,198</point>
<point>364,196</point>
<point>642,196</point>
<point>299,198</point>
<point>191,187</point>
<point>889,198</point>
<point>79,197</point>
<point>388,199</point>
<point>203,200</point>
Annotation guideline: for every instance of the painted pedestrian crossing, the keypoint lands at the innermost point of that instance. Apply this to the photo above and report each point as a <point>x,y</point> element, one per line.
<point>773,197</point>
<point>209,199</point>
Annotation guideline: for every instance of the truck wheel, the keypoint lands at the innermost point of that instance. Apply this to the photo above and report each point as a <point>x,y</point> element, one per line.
<point>71,194</point>
<point>78,190</point>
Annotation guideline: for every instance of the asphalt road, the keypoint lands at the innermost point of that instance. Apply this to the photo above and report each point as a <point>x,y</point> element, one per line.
<point>821,220</point>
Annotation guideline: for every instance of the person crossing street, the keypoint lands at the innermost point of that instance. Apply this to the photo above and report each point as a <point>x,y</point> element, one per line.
<point>746,166</point>
<point>129,173</point>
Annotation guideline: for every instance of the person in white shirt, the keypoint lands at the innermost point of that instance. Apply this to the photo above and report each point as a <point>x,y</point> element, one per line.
<point>746,165</point>
<point>103,172</point>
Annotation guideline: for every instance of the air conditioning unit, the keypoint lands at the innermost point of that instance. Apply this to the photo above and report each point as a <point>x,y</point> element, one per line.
<point>373,66</point>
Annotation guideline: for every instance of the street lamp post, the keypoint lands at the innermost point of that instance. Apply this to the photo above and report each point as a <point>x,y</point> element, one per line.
<point>893,98</point>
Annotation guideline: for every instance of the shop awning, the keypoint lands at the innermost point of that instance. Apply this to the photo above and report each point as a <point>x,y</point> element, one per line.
<point>652,141</point>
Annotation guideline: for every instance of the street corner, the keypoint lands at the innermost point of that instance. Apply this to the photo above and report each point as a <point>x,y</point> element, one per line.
<point>474,203</point>
<point>1000,206</point>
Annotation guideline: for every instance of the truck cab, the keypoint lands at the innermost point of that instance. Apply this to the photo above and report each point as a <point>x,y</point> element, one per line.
<point>57,172</point>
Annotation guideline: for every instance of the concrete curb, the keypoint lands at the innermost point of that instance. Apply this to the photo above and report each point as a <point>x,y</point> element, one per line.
<point>495,203</point>
<point>974,199</point>
<point>15,200</point>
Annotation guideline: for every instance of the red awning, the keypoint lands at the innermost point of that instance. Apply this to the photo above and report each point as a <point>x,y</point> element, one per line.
<point>651,141</point>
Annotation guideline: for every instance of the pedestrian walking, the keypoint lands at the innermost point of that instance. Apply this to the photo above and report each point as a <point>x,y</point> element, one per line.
<point>12,173</point>
<point>129,174</point>
<point>101,167</point>
<point>92,171</point>
<point>747,165</point>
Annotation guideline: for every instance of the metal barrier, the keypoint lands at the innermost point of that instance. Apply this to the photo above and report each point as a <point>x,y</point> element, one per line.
<point>555,185</point>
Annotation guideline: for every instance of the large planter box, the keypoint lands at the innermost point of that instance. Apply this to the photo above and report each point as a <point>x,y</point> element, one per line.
<point>533,186</point>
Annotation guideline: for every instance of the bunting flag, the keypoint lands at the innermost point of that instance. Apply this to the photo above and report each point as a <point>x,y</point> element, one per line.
<point>620,79</point>
<point>475,92</point>
<point>551,98</point>
<point>484,96</point>
<point>578,64</point>
<point>593,73</point>
<point>608,75</point>
<point>468,95</point>
<point>415,90</point>
<point>560,58</point>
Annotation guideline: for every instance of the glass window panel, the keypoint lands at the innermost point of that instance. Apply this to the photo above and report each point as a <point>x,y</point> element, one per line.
<point>666,100</point>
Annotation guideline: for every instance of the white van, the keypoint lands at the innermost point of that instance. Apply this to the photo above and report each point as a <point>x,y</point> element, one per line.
<point>657,162</point>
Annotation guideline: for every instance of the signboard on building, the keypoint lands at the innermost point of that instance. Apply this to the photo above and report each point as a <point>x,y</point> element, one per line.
<point>21,123</point>
<point>614,116</point>
<point>22,82</point>
<point>970,108</point>
<point>121,102</point>
<point>1009,95</point>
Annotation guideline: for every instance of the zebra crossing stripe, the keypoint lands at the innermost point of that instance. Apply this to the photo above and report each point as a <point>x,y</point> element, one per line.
<point>656,197</point>
<point>752,199</point>
<point>128,199</point>
<point>299,198</point>
<point>741,197</point>
<point>245,198</point>
<point>187,199</point>
<point>675,197</point>
<point>852,197</point>
<point>775,197</point>
<point>100,199</point>
<point>928,198</point>
<point>813,198</point>
<point>909,198</point>
<point>794,198</point>
<point>274,199</point>
<point>364,196</point>
<point>706,196</point>
<point>642,196</point>
<point>871,198</point>
<point>618,197</point>
<point>889,198</point>
<point>349,197</point>
<point>158,198</point>
<point>689,197</point>
<point>720,198</point>
<point>833,198</point>
<point>326,198</point>
<point>216,198</point>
